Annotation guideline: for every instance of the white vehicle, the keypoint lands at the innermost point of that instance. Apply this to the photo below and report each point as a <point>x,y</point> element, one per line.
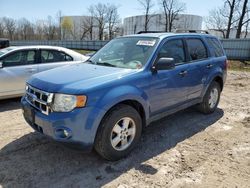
<point>18,63</point>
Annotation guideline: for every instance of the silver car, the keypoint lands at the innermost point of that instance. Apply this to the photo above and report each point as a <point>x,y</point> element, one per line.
<point>17,64</point>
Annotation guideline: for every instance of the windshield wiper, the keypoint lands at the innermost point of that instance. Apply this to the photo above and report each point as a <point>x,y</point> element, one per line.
<point>105,64</point>
<point>90,61</point>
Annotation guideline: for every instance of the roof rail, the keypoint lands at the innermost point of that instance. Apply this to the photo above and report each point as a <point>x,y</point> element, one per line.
<point>142,32</point>
<point>177,31</point>
<point>191,31</point>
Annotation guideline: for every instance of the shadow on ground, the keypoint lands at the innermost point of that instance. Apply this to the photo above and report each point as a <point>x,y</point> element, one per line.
<point>36,161</point>
<point>10,104</point>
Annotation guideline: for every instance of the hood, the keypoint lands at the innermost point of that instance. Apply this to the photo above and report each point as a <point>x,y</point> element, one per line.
<point>74,79</point>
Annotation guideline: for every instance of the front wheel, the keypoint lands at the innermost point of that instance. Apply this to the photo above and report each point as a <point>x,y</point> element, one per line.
<point>119,133</point>
<point>211,99</point>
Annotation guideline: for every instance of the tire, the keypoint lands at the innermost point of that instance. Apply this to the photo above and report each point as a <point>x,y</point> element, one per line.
<point>210,101</point>
<point>112,134</point>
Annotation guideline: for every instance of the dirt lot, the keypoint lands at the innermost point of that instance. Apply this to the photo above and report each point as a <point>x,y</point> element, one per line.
<point>187,149</point>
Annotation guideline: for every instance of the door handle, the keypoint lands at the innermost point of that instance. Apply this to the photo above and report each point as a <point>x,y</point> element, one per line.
<point>183,73</point>
<point>209,66</point>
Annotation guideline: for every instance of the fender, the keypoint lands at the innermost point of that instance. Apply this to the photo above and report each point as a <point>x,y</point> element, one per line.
<point>122,93</point>
<point>110,99</point>
<point>218,72</point>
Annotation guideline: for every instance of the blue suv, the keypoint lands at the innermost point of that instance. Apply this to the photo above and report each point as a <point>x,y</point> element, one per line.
<point>132,81</point>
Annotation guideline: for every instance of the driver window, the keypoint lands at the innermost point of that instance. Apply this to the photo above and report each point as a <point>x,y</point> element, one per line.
<point>173,49</point>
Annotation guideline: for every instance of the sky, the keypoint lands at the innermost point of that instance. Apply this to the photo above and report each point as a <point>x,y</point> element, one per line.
<point>39,9</point>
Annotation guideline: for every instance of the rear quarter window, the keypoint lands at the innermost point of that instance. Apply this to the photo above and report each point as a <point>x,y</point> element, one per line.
<point>215,47</point>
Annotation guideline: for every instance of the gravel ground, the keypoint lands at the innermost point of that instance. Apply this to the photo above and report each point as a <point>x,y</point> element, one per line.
<point>187,149</point>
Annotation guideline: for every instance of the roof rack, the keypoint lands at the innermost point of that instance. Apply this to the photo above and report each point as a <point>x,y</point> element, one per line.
<point>142,32</point>
<point>191,31</point>
<point>177,31</point>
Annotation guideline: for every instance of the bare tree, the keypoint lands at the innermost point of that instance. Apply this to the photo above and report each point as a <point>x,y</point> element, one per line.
<point>171,9</point>
<point>229,13</point>
<point>88,24</point>
<point>246,26</point>
<point>103,16</point>
<point>58,23</point>
<point>216,22</point>
<point>242,20</point>
<point>147,6</point>
<point>233,15</point>
<point>113,20</point>
<point>2,28</point>
<point>224,19</point>
<point>10,26</point>
<point>25,29</point>
<point>100,14</point>
<point>50,28</point>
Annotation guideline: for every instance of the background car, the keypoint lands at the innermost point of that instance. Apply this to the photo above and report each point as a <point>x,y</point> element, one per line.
<point>17,64</point>
<point>4,43</point>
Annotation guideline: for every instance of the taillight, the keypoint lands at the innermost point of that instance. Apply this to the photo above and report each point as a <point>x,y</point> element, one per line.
<point>226,64</point>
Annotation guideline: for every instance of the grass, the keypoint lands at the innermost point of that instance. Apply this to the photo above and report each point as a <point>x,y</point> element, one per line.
<point>239,66</point>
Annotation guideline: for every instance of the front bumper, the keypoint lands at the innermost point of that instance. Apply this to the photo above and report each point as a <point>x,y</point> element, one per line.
<point>81,124</point>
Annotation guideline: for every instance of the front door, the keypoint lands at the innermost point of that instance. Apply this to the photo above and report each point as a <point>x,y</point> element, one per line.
<point>17,67</point>
<point>169,87</point>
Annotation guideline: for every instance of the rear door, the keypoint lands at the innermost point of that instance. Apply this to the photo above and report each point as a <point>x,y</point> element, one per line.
<point>17,67</point>
<point>199,61</point>
<point>50,59</point>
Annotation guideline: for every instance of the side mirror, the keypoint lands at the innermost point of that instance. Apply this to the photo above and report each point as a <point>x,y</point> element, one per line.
<point>1,64</point>
<point>164,64</point>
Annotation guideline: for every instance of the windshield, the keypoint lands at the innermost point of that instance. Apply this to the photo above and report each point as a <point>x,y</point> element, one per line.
<point>5,50</point>
<point>127,52</point>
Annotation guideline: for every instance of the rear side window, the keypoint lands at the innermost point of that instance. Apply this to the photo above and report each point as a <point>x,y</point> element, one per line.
<point>50,56</point>
<point>196,49</point>
<point>215,47</point>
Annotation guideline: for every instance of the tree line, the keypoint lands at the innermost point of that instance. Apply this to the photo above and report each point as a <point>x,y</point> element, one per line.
<point>23,29</point>
<point>103,21</point>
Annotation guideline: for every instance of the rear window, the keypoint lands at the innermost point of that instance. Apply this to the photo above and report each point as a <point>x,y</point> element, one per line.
<point>50,56</point>
<point>215,47</point>
<point>196,49</point>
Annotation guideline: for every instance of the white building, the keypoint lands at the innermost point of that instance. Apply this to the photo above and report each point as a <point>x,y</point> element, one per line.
<point>77,28</point>
<point>134,24</point>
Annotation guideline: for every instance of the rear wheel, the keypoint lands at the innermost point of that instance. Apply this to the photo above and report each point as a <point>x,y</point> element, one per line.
<point>211,99</point>
<point>119,133</point>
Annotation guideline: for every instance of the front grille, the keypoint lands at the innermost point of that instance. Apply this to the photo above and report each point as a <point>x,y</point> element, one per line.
<point>39,99</point>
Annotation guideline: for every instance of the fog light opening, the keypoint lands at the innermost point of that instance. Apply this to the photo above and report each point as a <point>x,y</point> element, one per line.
<point>66,133</point>
<point>63,133</point>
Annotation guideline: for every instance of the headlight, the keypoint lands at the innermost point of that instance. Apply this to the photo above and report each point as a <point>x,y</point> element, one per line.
<point>66,103</point>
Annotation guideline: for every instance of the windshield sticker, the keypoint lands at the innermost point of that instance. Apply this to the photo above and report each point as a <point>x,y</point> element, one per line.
<point>146,43</point>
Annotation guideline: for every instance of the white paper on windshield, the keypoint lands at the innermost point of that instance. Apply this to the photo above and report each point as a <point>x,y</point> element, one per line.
<point>146,43</point>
